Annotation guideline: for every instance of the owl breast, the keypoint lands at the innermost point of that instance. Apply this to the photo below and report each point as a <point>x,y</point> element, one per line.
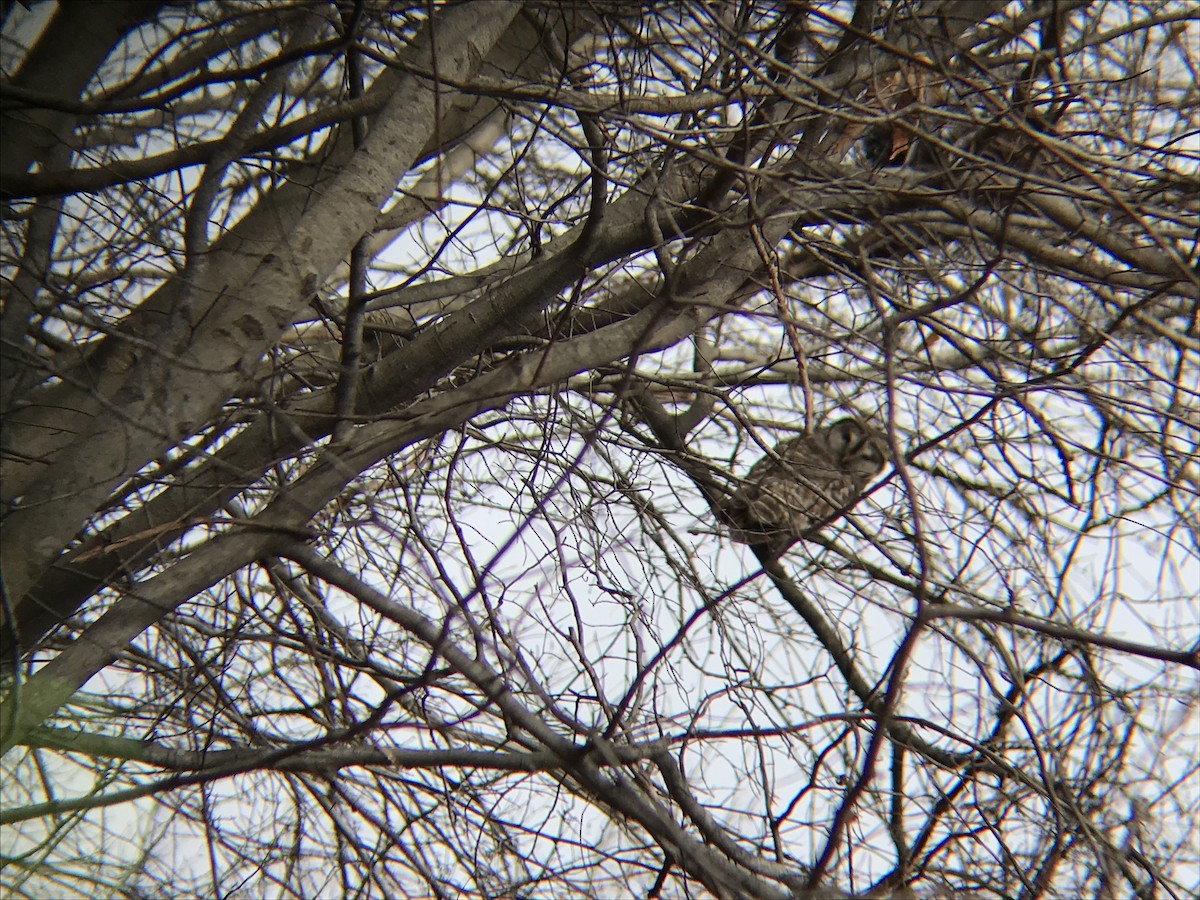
<point>788,496</point>
<point>805,482</point>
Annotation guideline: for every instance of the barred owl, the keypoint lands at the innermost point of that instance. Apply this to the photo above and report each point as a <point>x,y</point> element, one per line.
<point>807,480</point>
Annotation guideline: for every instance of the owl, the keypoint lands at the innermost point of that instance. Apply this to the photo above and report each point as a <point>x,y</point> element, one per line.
<point>807,480</point>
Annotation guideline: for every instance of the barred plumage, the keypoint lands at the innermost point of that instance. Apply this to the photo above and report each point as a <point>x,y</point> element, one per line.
<point>807,480</point>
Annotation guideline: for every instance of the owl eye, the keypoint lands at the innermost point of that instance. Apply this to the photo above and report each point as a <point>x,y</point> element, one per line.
<point>843,436</point>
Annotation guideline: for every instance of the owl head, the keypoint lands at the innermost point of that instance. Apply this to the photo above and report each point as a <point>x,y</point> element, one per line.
<point>858,449</point>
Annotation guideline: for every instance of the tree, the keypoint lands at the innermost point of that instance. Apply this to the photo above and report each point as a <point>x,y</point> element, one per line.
<point>374,375</point>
